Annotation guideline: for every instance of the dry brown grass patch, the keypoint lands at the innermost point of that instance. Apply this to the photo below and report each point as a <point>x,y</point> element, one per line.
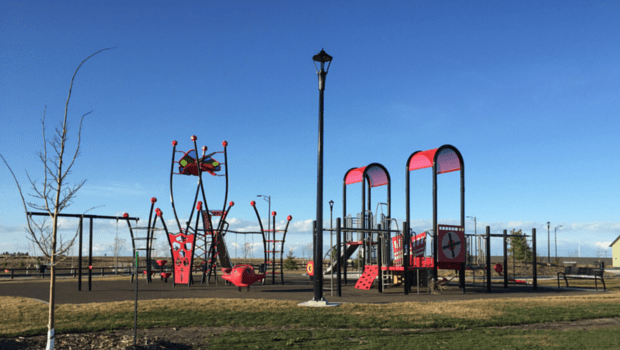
<point>21,314</point>
<point>415,311</point>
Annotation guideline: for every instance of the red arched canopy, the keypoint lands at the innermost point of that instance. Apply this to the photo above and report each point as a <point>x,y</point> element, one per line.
<point>447,160</point>
<point>375,173</point>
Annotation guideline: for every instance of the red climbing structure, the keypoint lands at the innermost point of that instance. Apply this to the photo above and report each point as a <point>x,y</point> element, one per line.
<point>273,246</point>
<point>368,277</point>
<point>207,240</point>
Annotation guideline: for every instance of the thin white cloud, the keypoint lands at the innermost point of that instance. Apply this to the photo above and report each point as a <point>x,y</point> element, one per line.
<point>116,189</point>
<point>603,244</point>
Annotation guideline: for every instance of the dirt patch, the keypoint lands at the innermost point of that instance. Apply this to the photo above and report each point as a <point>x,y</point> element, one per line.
<point>198,337</point>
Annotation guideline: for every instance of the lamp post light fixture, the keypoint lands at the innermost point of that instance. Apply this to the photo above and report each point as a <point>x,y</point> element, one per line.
<point>556,241</point>
<point>321,58</point>
<point>268,200</point>
<point>331,211</point>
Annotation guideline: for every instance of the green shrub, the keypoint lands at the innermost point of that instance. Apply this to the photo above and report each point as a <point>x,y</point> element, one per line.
<point>289,262</point>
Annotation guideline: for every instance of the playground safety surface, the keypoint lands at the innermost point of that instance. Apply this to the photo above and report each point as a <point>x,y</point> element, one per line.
<point>296,287</point>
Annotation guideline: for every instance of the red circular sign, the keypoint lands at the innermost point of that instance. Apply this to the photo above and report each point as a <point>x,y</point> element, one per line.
<point>310,268</point>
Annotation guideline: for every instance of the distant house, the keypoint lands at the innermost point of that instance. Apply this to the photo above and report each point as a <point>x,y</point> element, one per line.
<point>615,252</point>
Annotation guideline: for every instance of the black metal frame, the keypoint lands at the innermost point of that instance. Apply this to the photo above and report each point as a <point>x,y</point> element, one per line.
<point>272,250</point>
<point>504,237</point>
<point>365,202</point>
<point>435,224</point>
<point>216,234</point>
<point>90,241</point>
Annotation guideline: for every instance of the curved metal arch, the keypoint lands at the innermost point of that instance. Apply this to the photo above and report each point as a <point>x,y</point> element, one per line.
<point>365,176</point>
<point>437,169</point>
<point>368,168</point>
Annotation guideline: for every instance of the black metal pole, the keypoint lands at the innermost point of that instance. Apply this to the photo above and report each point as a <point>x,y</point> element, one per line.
<point>534,258</point>
<point>345,247</point>
<point>135,312</point>
<point>435,226</point>
<point>90,256</point>
<point>80,257</point>
<point>313,245</point>
<point>342,259</point>
<point>488,248</point>
<point>317,285</point>
<point>379,257</point>
<point>273,253</point>
<point>363,224</point>
<point>405,249</point>
<point>462,270</point>
<point>505,259</point>
<point>344,223</point>
<point>88,216</point>
<point>318,263</point>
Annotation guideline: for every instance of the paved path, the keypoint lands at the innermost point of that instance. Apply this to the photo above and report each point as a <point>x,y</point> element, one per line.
<point>296,288</point>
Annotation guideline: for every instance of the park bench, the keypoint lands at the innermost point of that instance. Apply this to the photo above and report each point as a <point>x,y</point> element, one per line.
<point>583,273</point>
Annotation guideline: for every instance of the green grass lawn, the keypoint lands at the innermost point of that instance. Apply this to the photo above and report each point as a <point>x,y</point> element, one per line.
<point>375,339</point>
<point>443,325</point>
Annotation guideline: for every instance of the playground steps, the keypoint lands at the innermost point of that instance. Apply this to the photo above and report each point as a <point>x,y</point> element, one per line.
<point>368,277</point>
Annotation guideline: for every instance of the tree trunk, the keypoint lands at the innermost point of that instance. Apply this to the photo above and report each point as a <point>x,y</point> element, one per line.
<point>50,327</point>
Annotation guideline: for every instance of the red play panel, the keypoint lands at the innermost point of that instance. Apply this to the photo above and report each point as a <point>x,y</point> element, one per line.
<point>182,255</point>
<point>451,241</point>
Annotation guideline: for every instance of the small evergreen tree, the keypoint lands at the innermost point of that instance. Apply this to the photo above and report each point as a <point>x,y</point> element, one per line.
<point>289,262</point>
<point>519,248</point>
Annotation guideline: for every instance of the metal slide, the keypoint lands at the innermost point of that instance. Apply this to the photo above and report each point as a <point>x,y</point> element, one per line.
<point>347,253</point>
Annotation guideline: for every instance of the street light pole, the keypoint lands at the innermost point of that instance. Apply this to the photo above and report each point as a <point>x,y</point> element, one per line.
<point>475,231</point>
<point>331,210</point>
<point>320,58</point>
<point>331,244</point>
<point>267,199</point>
<point>548,244</point>
<point>556,242</point>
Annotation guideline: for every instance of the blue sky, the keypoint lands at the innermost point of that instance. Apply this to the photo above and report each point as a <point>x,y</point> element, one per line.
<point>528,91</point>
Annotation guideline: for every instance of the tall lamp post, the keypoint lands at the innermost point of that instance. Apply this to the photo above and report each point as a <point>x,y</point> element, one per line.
<point>321,58</point>
<point>555,234</point>
<point>267,199</point>
<point>548,244</point>
<point>331,244</point>
<point>475,231</point>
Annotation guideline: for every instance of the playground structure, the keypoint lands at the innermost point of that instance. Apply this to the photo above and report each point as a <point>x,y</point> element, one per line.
<point>206,243</point>
<point>370,233</point>
<point>198,241</point>
<point>197,237</point>
<point>273,246</point>
<point>90,218</point>
<point>392,256</point>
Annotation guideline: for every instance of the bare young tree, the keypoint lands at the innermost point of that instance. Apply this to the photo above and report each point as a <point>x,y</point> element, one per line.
<point>118,244</point>
<point>601,252</point>
<point>248,249</point>
<point>52,195</point>
<point>308,249</point>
